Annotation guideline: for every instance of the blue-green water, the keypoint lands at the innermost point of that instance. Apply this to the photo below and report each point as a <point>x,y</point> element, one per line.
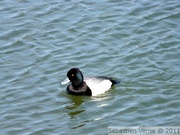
<point>134,41</point>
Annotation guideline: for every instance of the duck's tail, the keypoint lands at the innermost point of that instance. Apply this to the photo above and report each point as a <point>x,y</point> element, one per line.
<point>115,81</point>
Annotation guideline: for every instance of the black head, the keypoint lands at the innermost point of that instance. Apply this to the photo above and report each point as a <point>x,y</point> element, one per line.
<point>75,76</point>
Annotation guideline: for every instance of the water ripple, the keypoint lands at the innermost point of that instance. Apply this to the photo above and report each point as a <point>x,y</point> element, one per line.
<point>136,42</point>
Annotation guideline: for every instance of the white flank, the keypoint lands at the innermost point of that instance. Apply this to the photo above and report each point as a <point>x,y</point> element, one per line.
<point>98,86</point>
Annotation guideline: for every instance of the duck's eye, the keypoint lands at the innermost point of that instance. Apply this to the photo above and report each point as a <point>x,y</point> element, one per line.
<point>72,75</point>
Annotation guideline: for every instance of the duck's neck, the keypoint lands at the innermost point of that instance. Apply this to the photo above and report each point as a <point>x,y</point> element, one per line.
<point>80,84</point>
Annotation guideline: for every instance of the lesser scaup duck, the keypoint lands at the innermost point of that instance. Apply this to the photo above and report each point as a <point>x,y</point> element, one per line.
<point>89,86</point>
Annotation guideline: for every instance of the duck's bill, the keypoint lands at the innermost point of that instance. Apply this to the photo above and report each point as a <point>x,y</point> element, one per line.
<point>65,81</point>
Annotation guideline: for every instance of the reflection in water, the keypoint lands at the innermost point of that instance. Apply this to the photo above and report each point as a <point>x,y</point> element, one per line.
<point>75,110</point>
<point>76,101</point>
<point>73,114</point>
<point>80,125</point>
<point>79,107</point>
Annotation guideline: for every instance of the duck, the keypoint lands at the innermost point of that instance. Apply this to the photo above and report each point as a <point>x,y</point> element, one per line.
<point>87,86</point>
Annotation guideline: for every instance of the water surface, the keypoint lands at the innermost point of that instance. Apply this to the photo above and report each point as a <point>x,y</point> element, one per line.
<point>134,41</point>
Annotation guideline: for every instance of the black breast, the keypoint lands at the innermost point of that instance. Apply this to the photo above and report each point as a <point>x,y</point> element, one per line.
<point>79,90</point>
